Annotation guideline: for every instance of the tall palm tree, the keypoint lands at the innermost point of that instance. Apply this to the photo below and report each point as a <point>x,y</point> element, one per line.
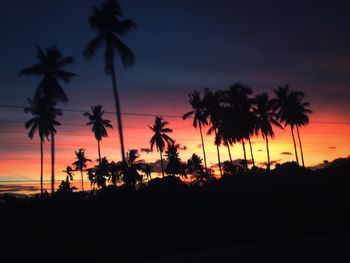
<point>211,104</point>
<point>237,98</point>
<point>174,161</point>
<point>80,164</point>
<point>41,122</point>
<point>199,117</point>
<point>289,108</point>
<point>301,119</point>
<point>50,66</point>
<point>109,25</point>
<point>265,118</point>
<point>160,137</point>
<point>99,125</point>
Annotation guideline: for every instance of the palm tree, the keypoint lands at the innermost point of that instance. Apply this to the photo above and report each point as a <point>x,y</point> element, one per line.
<point>107,21</point>
<point>211,104</point>
<point>40,122</point>
<point>301,119</point>
<point>290,110</point>
<point>237,99</point>
<point>80,164</point>
<point>199,117</point>
<point>265,117</point>
<point>160,137</point>
<point>50,64</point>
<point>69,172</point>
<point>174,163</point>
<point>99,125</point>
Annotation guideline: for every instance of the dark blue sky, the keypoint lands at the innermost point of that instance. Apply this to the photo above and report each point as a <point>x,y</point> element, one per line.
<point>182,44</point>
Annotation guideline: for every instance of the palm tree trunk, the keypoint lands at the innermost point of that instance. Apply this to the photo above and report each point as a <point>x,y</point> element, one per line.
<point>268,153</point>
<point>52,163</point>
<point>229,152</point>
<point>301,148</point>
<point>82,180</point>
<point>99,150</point>
<point>119,116</point>
<point>218,151</point>
<point>245,156</point>
<point>41,168</point>
<point>205,157</point>
<point>251,151</point>
<point>295,146</point>
<point>161,162</point>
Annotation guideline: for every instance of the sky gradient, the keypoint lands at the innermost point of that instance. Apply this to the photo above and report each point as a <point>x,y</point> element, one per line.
<point>179,46</point>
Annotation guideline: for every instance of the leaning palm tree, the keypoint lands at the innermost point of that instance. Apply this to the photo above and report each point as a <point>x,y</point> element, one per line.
<point>40,122</point>
<point>80,164</point>
<point>199,117</point>
<point>50,66</point>
<point>109,24</point>
<point>265,117</point>
<point>160,137</point>
<point>99,125</point>
<point>211,104</point>
<point>301,119</point>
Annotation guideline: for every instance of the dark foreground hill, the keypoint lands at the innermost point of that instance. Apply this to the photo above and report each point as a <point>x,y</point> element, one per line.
<point>292,215</point>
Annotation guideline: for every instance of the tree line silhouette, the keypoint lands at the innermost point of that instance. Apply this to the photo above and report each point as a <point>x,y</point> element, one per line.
<point>233,115</point>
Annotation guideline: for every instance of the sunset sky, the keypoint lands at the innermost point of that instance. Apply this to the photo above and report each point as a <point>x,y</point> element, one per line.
<point>180,45</point>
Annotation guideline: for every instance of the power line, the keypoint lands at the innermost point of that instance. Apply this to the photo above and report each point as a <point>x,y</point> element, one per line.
<point>137,114</point>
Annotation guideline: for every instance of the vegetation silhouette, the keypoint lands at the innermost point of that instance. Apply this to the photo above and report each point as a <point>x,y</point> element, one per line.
<point>200,117</point>
<point>109,25</point>
<point>43,121</point>
<point>50,66</point>
<point>265,117</point>
<point>81,164</point>
<point>160,137</point>
<point>99,125</point>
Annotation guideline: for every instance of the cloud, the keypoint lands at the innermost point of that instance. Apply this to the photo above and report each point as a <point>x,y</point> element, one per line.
<point>286,153</point>
<point>182,148</point>
<point>260,150</point>
<point>199,146</point>
<point>332,147</point>
<point>146,150</point>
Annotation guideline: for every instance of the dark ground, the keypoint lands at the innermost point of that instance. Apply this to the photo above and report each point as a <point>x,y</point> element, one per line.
<point>301,216</point>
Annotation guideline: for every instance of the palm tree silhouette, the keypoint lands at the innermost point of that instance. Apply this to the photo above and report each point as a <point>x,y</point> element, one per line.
<point>42,122</point>
<point>80,164</point>
<point>174,162</point>
<point>199,117</point>
<point>237,98</point>
<point>292,112</point>
<point>147,170</point>
<point>69,172</point>
<point>99,125</point>
<point>211,104</point>
<point>301,117</point>
<point>108,23</point>
<point>265,117</point>
<point>160,137</point>
<point>50,64</point>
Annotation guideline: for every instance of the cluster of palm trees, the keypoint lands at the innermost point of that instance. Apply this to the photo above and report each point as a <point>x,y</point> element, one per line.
<point>110,26</point>
<point>235,115</point>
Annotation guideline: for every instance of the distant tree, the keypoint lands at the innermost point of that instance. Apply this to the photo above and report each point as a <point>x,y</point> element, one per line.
<point>109,25</point>
<point>134,165</point>
<point>80,164</point>
<point>160,137</point>
<point>174,162</point>
<point>265,118</point>
<point>99,125</point>
<point>147,172</point>
<point>200,116</point>
<point>43,121</point>
<point>69,173</point>
<point>99,174</point>
<point>196,169</point>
